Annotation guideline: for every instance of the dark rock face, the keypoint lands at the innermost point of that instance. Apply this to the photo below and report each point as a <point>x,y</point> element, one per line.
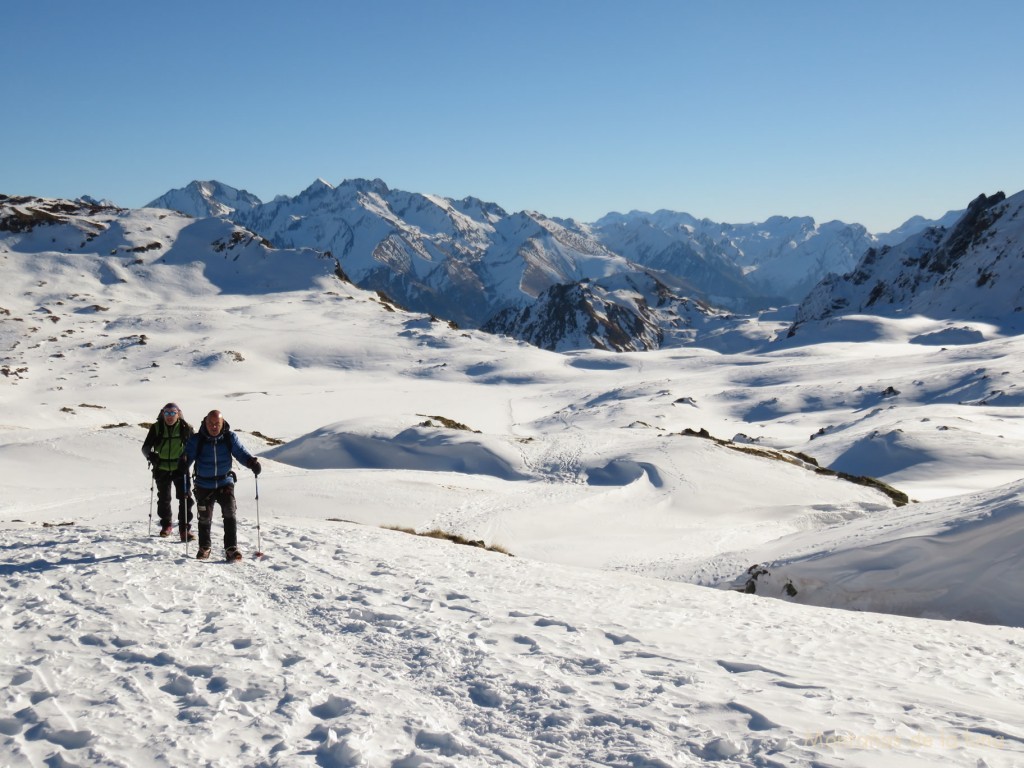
<point>622,313</point>
<point>981,215</point>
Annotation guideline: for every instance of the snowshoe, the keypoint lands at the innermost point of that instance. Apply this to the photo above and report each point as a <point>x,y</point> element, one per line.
<point>232,555</point>
<point>165,531</point>
<point>203,553</point>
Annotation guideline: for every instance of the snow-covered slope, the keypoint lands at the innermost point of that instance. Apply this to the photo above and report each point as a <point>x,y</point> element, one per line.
<point>915,561</point>
<point>351,646</point>
<point>168,254</point>
<point>610,478</point>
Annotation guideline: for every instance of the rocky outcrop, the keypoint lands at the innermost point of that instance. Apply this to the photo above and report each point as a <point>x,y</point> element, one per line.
<point>628,312</point>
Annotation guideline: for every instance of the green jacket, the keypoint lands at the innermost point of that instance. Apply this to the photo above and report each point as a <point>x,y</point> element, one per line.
<point>168,443</point>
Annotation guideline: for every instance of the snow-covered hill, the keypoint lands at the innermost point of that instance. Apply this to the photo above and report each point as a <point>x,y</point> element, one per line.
<point>167,253</point>
<point>620,483</point>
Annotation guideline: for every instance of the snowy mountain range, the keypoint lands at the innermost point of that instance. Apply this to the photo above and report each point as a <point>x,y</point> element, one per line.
<point>559,284</point>
<point>473,263</point>
<point>459,259</point>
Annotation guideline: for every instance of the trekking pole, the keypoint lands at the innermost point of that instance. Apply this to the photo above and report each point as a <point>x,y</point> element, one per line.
<point>188,508</point>
<point>152,482</point>
<point>259,538</point>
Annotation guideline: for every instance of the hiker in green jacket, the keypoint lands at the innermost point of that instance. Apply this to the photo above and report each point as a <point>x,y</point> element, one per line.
<point>162,448</point>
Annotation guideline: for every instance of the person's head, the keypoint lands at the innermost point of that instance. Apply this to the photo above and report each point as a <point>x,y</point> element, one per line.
<point>171,413</point>
<point>214,423</point>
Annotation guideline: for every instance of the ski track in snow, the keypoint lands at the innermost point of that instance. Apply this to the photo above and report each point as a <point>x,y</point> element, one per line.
<point>349,645</point>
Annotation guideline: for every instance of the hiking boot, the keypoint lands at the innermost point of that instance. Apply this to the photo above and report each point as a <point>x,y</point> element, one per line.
<point>186,533</point>
<point>165,531</point>
<point>231,554</point>
<point>203,553</point>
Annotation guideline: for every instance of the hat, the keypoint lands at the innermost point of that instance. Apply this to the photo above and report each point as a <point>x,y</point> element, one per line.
<point>169,406</point>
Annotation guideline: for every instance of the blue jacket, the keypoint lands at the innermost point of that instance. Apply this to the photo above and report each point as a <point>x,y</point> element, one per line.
<point>212,456</point>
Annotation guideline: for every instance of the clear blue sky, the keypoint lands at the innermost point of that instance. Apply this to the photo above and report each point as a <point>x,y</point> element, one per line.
<point>862,110</point>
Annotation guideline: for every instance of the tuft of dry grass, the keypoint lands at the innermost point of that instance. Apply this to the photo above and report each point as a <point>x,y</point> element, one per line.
<point>446,422</point>
<point>899,498</point>
<point>437,533</point>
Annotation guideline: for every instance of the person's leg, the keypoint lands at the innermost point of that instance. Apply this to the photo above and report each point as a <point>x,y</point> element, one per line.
<point>163,501</point>
<point>184,509</point>
<point>204,512</point>
<point>227,508</point>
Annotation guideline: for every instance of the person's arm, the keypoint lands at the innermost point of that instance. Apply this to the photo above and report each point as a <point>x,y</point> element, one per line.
<point>147,446</point>
<point>247,459</point>
<point>189,454</point>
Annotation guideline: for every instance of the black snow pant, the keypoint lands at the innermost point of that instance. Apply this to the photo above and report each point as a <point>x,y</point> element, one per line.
<point>164,480</point>
<point>205,500</point>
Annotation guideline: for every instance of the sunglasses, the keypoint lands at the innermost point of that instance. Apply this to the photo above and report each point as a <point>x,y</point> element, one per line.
<point>170,413</point>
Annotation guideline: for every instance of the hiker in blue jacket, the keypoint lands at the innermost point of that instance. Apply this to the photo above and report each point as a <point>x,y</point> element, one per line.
<point>211,449</point>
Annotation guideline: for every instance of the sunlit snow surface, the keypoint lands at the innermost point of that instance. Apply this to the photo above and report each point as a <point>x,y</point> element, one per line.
<point>349,644</point>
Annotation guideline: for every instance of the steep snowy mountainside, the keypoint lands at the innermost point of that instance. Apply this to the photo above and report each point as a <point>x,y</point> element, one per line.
<point>463,260</point>
<point>673,249</point>
<point>533,253</point>
<point>973,270</point>
<point>207,198</point>
<point>418,249</point>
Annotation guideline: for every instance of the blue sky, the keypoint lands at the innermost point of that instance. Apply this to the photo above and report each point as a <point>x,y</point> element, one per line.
<point>868,111</point>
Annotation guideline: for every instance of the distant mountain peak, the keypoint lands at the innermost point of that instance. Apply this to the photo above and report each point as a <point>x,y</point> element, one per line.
<point>376,186</point>
<point>200,199</point>
<point>317,187</point>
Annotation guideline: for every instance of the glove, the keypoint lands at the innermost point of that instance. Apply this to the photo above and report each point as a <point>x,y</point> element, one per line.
<point>254,465</point>
<point>153,458</point>
<point>182,463</point>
